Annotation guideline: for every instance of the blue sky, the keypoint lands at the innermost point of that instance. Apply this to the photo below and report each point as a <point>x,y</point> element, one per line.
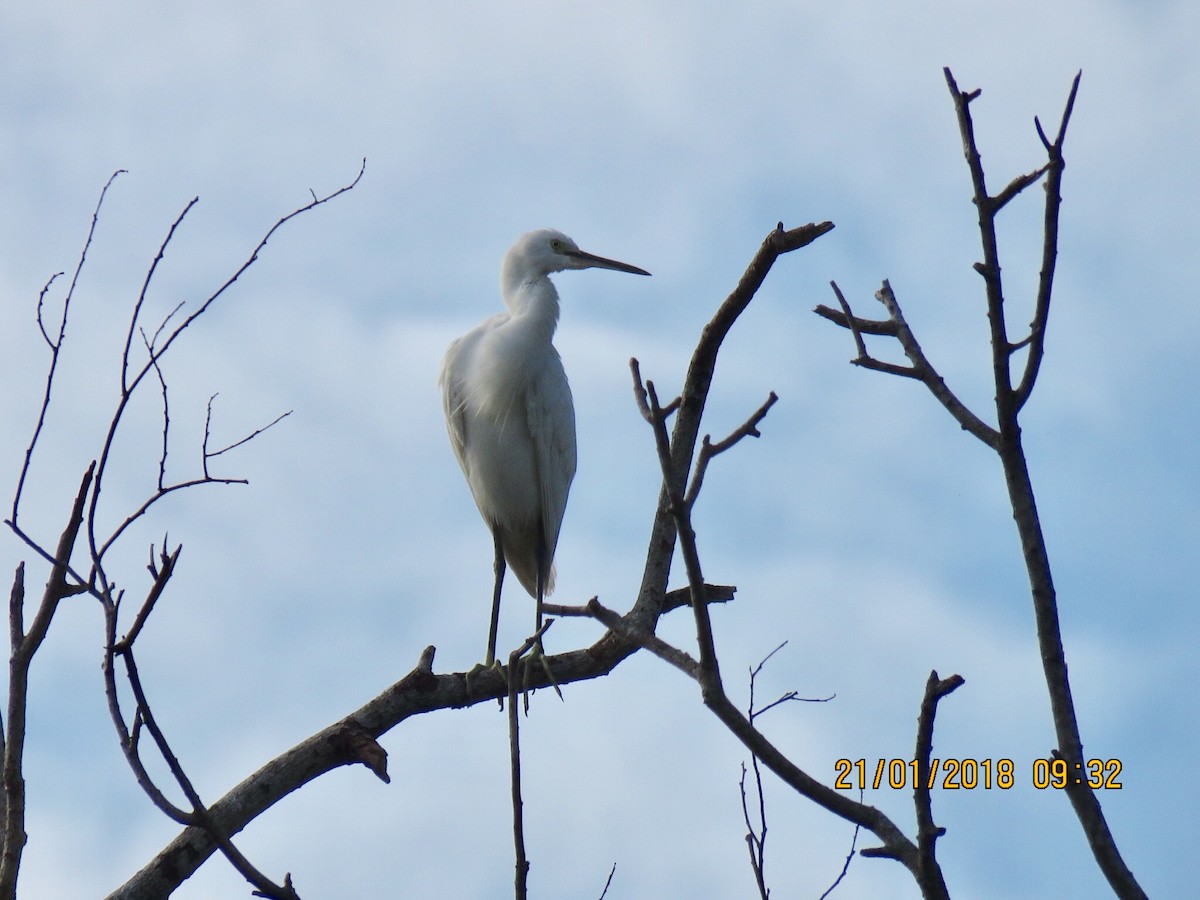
<point>864,527</point>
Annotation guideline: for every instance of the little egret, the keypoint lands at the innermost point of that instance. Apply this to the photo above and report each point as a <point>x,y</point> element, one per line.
<point>510,416</point>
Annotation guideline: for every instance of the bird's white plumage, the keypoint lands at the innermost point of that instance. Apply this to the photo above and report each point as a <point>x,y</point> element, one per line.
<point>508,406</point>
<point>500,389</point>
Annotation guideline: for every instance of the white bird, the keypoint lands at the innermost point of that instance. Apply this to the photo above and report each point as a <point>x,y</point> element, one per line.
<point>510,416</point>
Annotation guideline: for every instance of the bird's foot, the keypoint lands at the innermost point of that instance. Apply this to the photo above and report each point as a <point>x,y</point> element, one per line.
<point>537,654</point>
<point>486,668</point>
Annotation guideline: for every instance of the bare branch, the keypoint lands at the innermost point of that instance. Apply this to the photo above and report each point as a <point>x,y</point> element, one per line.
<point>921,369</point>
<point>709,671</point>
<point>1037,328</point>
<point>129,384</point>
<point>858,327</point>
<point>55,344</point>
<point>141,299</point>
<point>749,428</point>
<point>52,343</point>
<point>849,858</point>
<point>713,593</point>
<point>166,415</point>
<point>162,574</point>
<point>213,454</point>
<point>60,586</point>
<point>691,404</point>
<point>639,394</point>
<point>1015,187</point>
<point>648,640</point>
<point>155,498</point>
<point>23,647</point>
<point>754,712</point>
<point>1009,402</point>
<point>608,884</point>
<point>199,815</point>
<point>755,840</point>
<point>422,691</point>
<point>57,587</point>
<point>708,450</point>
<point>895,844</point>
<point>521,865</point>
<point>929,874</point>
<point>675,457</point>
<point>13,793</point>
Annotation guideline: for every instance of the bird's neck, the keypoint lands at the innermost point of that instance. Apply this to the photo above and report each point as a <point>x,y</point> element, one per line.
<point>535,300</point>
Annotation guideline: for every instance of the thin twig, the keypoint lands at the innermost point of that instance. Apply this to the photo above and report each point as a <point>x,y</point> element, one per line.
<point>52,343</point>
<point>162,574</point>
<point>56,344</point>
<point>84,515</point>
<point>708,450</point>
<point>129,384</point>
<point>849,857</point>
<point>521,874</point>
<point>166,414</point>
<point>213,454</point>
<point>1050,223</point>
<point>141,298</point>
<point>755,841</point>
<point>608,883</point>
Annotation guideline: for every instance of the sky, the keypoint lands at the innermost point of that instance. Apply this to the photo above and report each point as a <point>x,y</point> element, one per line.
<point>864,527</point>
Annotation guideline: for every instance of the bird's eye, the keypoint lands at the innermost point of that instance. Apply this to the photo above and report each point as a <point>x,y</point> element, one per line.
<point>556,245</point>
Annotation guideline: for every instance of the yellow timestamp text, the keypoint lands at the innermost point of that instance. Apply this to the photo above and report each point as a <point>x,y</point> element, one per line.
<point>971,774</point>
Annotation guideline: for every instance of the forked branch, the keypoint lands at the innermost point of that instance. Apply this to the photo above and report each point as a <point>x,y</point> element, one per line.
<point>84,526</point>
<point>1006,439</point>
<point>680,489</point>
<point>919,368</point>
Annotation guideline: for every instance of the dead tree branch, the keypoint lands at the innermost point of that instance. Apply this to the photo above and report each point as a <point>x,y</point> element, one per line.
<point>129,383</point>
<point>929,874</point>
<point>64,581</point>
<point>920,367</point>
<point>1005,437</point>
<point>23,646</point>
<point>521,864</point>
<point>353,740</point>
<point>690,408</point>
<point>756,835</point>
<point>680,488</point>
<point>55,344</point>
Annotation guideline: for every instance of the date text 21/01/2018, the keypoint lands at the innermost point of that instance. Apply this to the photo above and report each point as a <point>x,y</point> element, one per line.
<point>969,774</point>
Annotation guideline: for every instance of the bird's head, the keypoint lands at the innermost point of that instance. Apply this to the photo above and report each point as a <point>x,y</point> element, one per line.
<point>541,252</point>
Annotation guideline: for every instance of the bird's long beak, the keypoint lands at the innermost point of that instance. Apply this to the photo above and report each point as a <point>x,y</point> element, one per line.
<point>591,261</point>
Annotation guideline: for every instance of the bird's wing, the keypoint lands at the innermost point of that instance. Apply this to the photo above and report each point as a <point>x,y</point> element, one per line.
<point>552,424</point>
<point>452,401</point>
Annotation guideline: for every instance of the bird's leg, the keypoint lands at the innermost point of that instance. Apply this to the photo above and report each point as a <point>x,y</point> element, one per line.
<point>538,651</point>
<point>499,569</point>
<point>543,570</point>
<point>492,662</point>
